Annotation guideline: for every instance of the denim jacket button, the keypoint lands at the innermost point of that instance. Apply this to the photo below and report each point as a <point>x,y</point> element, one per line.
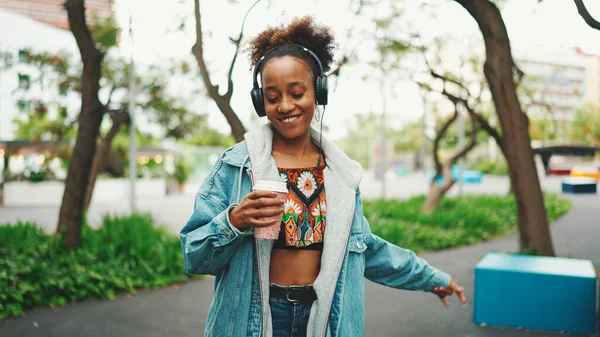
<point>357,244</point>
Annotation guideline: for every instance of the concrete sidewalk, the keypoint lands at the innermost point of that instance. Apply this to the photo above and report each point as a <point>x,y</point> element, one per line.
<point>182,310</point>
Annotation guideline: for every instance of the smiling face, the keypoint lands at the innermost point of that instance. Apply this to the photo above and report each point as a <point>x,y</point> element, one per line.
<point>289,96</point>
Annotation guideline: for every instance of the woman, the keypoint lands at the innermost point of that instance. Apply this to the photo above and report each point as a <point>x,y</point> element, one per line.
<point>310,281</point>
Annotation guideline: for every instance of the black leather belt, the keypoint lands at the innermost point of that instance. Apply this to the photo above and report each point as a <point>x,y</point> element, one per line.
<point>293,293</point>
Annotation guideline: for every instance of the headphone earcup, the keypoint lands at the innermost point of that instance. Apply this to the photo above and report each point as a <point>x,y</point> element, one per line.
<point>321,90</point>
<point>257,100</point>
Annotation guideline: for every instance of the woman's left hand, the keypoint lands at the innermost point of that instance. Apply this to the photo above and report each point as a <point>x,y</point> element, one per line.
<point>452,288</point>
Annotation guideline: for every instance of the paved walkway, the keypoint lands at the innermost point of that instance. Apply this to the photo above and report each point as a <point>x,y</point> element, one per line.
<point>182,310</point>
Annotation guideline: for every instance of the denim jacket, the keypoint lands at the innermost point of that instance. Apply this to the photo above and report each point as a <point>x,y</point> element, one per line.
<point>240,262</point>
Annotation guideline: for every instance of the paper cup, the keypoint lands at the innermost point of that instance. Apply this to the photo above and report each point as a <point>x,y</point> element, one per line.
<point>270,232</point>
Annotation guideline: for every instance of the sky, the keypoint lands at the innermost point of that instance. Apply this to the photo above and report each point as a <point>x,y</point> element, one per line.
<point>553,23</point>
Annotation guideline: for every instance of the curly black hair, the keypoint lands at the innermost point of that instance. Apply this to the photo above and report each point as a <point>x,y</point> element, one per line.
<point>301,31</point>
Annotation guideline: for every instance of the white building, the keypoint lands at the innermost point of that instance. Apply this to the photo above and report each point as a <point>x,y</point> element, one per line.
<point>52,12</point>
<point>562,79</point>
<point>20,83</point>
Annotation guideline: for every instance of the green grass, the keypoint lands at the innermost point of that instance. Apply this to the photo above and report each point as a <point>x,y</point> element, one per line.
<point>124,254</point>
<point>497,167</point>
<point>457,222</point>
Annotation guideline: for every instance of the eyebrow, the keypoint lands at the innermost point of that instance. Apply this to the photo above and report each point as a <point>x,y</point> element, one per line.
<point>291,84</point>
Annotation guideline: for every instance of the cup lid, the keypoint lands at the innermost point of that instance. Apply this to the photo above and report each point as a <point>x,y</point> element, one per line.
<point>270,185</point>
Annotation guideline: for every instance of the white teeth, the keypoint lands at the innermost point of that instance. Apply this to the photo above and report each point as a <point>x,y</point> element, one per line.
<point>289,120</point>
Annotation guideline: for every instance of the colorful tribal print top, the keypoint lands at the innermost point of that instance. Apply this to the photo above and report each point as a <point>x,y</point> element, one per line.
<point>303,221</point>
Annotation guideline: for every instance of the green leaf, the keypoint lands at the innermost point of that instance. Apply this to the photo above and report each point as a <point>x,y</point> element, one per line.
<point>14,310</point>
<point>58,300</point>
<point>15,295</point>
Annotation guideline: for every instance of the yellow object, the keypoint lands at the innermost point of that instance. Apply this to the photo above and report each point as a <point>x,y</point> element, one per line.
<point>594,174</point>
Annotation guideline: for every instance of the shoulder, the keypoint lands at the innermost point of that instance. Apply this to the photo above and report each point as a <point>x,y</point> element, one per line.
<point>350,170</point>
<point>233,158</point>
<point>236,155</point>
<point>218,183</point>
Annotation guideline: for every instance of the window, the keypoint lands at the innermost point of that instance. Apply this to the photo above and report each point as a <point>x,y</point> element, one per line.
<point>24,56</point>
<point>24,81</point>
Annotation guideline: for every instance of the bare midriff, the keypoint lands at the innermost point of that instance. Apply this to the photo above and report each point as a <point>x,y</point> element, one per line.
<point>294,267</point>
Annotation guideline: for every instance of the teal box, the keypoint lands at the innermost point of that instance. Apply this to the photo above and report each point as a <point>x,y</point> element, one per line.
<point>468,176</point>
<point>535,292</point>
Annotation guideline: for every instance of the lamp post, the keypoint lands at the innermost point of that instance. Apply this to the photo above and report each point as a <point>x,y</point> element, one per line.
<point>461,145</point>
<point>383,166</point>
<point>132,138</point>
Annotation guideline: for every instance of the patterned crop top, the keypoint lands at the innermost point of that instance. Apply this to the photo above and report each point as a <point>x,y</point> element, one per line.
<point>303,221</point>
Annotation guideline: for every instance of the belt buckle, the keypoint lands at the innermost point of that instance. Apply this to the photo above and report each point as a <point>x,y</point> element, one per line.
<point>287,294</point>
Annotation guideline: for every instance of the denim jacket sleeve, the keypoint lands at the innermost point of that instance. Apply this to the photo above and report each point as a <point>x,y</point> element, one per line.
<point>208,239</point>
<point>396,267</point>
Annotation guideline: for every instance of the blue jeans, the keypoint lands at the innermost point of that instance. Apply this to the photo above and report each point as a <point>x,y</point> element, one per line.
<point>289,318</point>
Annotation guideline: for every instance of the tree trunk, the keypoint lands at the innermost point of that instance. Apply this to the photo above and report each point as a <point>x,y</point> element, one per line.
<point>113,165</point>
<point>237,128</point>
<point>222,101</point>
<point>98,162</point>
<point>71,209</point>
<point>5,162</point>
<point>498,68</point>
<point>102,153</point>
<point>437,192</point>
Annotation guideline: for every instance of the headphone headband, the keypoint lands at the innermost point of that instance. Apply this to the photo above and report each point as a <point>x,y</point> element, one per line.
<point>260,61</point>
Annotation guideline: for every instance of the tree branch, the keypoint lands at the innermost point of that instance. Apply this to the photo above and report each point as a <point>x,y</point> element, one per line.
<point>118,118</point>
<point>473,142</point>
<point>518,73</point>
<point>436,143</point>
<point>482,121</point>
<point>237,43</point>
<point>447,79</point>
<point>485,125</point>
<point>229,92</point>
<point>587,17</point>
<point>198,51</point>
<point>336,71</point>
<point>481,88</point>
<point>110,95</point>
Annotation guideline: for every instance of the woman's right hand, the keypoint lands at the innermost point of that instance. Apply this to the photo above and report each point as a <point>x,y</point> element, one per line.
<point>258,208</point>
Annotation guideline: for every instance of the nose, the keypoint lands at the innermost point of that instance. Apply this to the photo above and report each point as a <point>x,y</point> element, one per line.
<point>286,105</point>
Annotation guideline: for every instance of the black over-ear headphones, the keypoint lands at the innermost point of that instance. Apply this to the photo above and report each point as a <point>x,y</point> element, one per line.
<point>321,87</point>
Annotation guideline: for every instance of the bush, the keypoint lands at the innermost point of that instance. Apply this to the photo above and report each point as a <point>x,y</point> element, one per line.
<point>457,222</point>
<point>124,254</point>
<point>183,169</point>
<point>493,167</point>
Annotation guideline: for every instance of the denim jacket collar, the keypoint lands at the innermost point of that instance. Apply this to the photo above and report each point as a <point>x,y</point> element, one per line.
<point>236,156</point>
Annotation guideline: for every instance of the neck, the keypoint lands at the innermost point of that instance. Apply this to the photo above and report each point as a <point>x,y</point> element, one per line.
<point>300,147</point>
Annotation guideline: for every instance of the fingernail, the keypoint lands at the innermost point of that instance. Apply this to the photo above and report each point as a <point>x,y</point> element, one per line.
<point>461,289</point>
